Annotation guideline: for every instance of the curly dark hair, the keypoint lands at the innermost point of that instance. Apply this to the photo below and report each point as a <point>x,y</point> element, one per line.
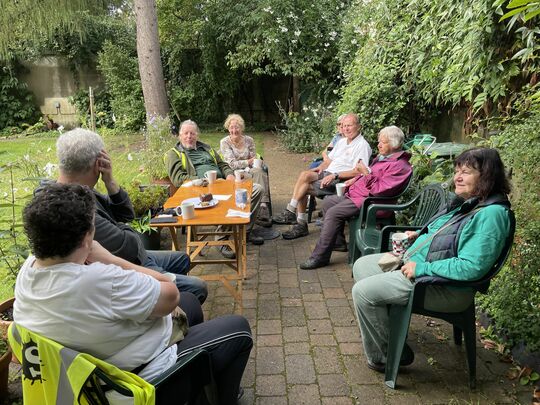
<point>493,178</point>
<point>58,218</point>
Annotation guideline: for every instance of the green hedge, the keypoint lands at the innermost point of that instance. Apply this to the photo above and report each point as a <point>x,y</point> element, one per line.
<point>514,298</point>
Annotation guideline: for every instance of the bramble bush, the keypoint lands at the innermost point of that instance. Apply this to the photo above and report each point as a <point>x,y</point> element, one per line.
<point>514,298</point>
<point>17,102</point>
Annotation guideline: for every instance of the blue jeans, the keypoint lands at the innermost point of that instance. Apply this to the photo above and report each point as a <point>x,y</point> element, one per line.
<point>168,261</point>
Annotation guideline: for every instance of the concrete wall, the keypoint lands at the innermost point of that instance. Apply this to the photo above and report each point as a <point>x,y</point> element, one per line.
<point>52,82</point>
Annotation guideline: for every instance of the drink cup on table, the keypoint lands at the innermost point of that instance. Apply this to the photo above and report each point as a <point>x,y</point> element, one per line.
<point>188,210</point>
<point>211,176</point>
<point>241,197</point>
<point>400,243</point>
<point>238,175</point>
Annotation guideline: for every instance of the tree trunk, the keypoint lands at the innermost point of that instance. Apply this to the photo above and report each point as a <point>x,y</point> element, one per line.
<point>149,55</point>
<point>294,103</point>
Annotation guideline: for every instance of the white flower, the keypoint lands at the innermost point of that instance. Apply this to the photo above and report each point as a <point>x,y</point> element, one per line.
<point>290,53</point>
<point>129,157</point>
<point>50,168</point>
<point>60,129</point>
<point>267,9</point>
<point>27,158</point>
<point>49,149</point>
<point>354,41</point>
<point>297,33</point>
<point>5,195</point>
<point>326,44</point>
<point>283,29</point>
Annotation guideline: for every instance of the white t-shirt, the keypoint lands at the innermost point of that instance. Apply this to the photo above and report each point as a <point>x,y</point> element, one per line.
<point>345,156</point>
<point>98,309</point>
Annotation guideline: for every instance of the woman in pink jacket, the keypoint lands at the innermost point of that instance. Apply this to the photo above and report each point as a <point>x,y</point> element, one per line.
<point>385,177</point>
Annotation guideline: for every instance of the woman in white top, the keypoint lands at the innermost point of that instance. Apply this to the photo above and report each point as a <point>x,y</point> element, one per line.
<point>238,151</point>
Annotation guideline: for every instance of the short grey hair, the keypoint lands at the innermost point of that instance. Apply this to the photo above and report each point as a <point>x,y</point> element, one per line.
<point>395,136</point>
<point>189,122</point>
<point>340,118</point>
<point>77,150</point>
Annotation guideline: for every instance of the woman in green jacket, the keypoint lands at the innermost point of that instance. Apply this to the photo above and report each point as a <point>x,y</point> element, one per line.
<point>460,243</point>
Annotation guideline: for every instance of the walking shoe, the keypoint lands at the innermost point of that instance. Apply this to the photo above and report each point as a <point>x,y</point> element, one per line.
<point>298,230</point>
<point>312,263</point>
<point>340,248</point>
<point>407,358</point>
<point>286,217</point>
<point>256,240</point>
<point>263,218</point>
<point>227,252</point>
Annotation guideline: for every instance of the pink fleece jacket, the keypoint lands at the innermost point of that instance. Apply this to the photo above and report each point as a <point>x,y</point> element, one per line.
<point>388,177</point>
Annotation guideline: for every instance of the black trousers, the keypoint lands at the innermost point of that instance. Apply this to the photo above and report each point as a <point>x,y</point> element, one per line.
<point>228,341</point>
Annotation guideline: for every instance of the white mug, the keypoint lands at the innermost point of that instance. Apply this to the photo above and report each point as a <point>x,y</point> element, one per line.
<point>340,189</point>
<point>238,175</point>
<point>257,163</point>
<point>211,175</point>
<point>188,210</point>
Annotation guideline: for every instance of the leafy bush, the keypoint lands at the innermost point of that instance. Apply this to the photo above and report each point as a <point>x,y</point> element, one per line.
<point>307,132</point>
<point>159,140</point>
<point>17,102</point>
<point>514,298</point>
<point>102,108</point>
<point>120,68</point>
<point>145,199</point>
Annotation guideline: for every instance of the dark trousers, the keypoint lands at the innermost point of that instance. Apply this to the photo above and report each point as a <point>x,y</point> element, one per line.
<point>336,211</point>
<point>228,341</point>
<point>192,308</point>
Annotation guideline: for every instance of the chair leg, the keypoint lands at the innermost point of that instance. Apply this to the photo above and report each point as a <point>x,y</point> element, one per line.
<point>400,318</point>
<point>458,333</point>
<point>469,332</point>
<point>310,207</point>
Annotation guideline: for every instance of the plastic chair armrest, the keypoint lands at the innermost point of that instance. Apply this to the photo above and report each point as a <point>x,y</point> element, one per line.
<point>171,371</point>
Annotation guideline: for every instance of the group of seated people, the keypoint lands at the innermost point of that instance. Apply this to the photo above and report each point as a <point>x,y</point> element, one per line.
<point>89,273</point>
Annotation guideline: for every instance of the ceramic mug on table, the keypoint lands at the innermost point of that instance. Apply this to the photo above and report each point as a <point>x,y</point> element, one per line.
<point>400,243</point>
<point>257,163</point>
<point>188,210</point>
<point>340,189</point>
<point>211,176</point>
<point>239,175</point>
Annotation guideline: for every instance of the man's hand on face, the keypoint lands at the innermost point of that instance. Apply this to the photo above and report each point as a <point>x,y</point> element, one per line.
<point>104,164</point>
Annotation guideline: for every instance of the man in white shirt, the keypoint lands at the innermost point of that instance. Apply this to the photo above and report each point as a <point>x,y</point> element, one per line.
<point>73,291</point>
<point>341,165</point>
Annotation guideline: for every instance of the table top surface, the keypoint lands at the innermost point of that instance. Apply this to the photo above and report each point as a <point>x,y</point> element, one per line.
<point>213,215</point>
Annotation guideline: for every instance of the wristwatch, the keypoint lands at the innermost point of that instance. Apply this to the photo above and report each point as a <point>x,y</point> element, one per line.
<point>336,176</point>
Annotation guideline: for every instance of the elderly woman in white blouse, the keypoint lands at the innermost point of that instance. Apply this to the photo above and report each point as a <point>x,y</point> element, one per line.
<point>238,151</point>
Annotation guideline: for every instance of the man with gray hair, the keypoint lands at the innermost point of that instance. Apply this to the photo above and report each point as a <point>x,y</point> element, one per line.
<point>83,160</point>
<point>387,176</point>
<point>191,159</point>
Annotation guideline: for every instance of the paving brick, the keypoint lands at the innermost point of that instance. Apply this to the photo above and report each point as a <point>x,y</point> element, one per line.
<point>293,316</point>
<point>337,302</point>
<point>316,310</point>
<point>350,348</point>
<point>332,385</point>
<point>327,360</point>
<point>347,334</point>
<point>297,348</point>
<point>341,316</point>
<point>320,326</point>
<point>304,395</point>
<point>322,340</point>
<point>268,288</point>
<point>290,292</point>
<point>270,385</point>
<point>295,334</point>
<point>272,401</point>
<point>288,280</point>
<point>308,297</point>
<point>248,379</point>
<point>368,394</point>
<point>310,288</point>
<point>337,401</point>
<point>291,302</point>
<point>270,310</point>
<point>270,340</point>
<point>270,360</point>
<point>269,297</point>
<point>333,293</point>
<point>300,369</point>
<point>268,327</point>
<point>329,280</point>
<point>358,372</point>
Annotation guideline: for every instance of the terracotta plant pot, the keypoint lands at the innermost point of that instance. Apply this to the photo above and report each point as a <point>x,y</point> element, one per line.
<point>5,306</point>
<point>4,374</point>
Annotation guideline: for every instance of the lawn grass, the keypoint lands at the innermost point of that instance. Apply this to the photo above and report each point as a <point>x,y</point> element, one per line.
<point>24,158</point>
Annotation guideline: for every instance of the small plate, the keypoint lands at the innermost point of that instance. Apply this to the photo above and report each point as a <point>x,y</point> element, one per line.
<point>197,202</point>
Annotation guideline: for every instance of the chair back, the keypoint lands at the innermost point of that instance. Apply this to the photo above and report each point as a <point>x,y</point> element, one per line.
<point>431,200</point>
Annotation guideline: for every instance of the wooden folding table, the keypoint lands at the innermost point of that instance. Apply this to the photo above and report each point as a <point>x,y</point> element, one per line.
<point>232,229</point>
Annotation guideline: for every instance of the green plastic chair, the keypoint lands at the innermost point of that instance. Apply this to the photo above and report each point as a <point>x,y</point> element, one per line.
<point>425,140</point>
<point>463,322</point>
<point>366,235</point>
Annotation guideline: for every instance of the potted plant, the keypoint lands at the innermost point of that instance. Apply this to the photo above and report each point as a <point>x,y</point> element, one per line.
<point>5,359</point>
<point>158,141</point>
<point>149,236</point>
<point>6,313</point>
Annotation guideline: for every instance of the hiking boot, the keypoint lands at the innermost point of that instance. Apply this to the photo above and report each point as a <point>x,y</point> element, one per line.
<point>312,263</point>
<point>341,247</point>
<point>227,252</point>
<point>286,217</point>
<point>297,231</point>
<point>255,240</point>
<point>407,358</point>
<point>263,219</point>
